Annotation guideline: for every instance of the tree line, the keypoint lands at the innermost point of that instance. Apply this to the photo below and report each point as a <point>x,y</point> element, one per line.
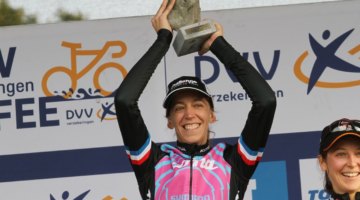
<point>10,16</point>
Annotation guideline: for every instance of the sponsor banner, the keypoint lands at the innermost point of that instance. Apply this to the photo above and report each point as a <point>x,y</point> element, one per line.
<point>57,118</point>
<point>61,92</point>
<point>305,52</point>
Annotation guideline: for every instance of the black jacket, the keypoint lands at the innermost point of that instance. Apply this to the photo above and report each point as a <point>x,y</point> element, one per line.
<point>345,196</point>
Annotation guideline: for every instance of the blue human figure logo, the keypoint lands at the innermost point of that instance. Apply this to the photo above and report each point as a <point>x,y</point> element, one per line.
<point>65,196</point>
<point>106,110</point>
<point>325,57</point>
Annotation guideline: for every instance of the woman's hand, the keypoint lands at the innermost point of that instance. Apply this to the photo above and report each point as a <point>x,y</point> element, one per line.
<point>160,19</point>
<point>207,44</point>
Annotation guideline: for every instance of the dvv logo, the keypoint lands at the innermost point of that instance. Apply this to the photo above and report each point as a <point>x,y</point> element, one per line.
<point>327,58</point>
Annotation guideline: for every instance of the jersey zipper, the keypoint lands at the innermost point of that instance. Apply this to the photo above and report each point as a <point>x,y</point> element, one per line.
<point>191,178</point>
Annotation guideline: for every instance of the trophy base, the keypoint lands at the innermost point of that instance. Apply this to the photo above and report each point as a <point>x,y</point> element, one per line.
<point>190,38</point>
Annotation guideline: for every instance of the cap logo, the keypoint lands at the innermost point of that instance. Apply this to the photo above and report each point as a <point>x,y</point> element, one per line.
<point>337,130</point>
<point>184,82</point>
<point>344,126</point>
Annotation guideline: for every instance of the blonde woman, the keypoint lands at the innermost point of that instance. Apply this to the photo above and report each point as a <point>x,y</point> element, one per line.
<point>193,168</point>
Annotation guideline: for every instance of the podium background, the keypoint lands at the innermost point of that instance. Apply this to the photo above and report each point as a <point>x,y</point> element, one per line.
<point>52,147</point>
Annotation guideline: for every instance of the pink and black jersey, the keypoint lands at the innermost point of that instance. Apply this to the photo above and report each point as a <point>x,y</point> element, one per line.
<point>192,172</point>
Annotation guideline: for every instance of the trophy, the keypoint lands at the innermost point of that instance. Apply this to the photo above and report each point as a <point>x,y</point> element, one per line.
<point>192,32</point>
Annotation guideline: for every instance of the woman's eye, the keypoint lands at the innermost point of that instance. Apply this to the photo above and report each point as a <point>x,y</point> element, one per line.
<point>340,154</point>
<point>198,105</point>
<point>178,108</point>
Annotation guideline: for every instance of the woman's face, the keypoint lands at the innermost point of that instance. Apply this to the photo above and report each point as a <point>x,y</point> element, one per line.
<point>191,116</point>
<point>342,165</point>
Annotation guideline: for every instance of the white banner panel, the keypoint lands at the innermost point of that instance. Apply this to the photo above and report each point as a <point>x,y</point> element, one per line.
<point>47,60</point>
<point>312,180</point>
<point>309,54</point>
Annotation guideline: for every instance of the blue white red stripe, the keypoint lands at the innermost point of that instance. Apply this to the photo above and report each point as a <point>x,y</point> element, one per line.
<point>140,156</point>
<point>250,157</point>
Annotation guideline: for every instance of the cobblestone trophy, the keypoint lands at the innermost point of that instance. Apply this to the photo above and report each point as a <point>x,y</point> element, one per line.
<point>192,32</point>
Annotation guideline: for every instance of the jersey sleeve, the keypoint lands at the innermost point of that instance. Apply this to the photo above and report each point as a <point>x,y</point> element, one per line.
<point>139,147</point>
<point>250,146</point>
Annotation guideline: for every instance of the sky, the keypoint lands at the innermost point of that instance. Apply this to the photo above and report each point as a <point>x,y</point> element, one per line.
<point>45,10</point>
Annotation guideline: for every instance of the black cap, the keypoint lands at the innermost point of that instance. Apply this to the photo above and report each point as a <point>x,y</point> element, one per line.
<point>186,83</point>
<point>336,130</point>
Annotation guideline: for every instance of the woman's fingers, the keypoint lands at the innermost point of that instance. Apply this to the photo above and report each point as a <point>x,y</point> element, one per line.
<point>160,19</point>
<point>207,44</point>
<point>162,8</point>
<point>169,7</point>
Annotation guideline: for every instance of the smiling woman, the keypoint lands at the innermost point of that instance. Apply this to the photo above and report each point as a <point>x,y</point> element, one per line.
<point>194,163</point>
<point>340,159</point>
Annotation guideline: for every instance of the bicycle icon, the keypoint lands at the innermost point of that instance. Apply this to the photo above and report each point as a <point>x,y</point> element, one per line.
<point>74,75</point>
